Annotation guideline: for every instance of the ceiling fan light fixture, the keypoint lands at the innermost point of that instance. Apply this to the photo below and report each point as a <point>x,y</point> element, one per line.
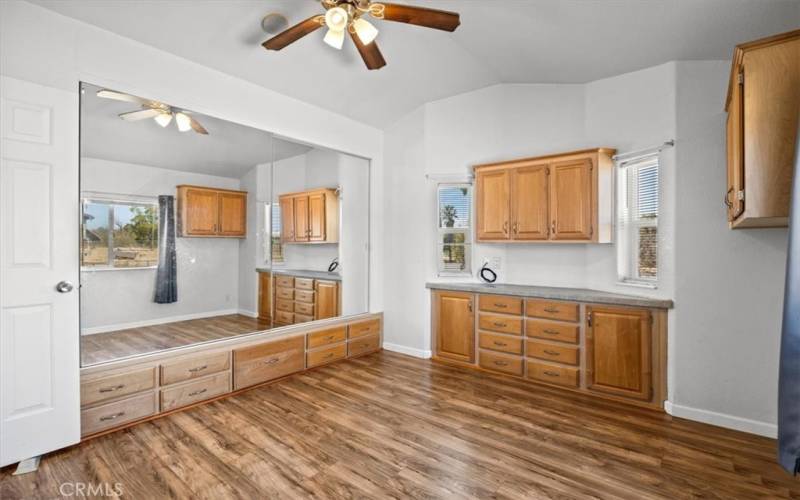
<point>183,122</point>
<point>163,119</point>
<point>336,19</point>
<point>335,39</point>
<point>365,30</point>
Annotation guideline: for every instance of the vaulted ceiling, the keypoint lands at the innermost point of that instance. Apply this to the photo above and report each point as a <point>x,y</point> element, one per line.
<point>499,41</point>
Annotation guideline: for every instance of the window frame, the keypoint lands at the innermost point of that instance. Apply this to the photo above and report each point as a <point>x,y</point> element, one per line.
<point>272,209</point>
<point>628,251</point>
<point>441,270</point>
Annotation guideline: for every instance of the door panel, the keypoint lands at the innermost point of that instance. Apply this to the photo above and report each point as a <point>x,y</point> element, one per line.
<point>287,219</point>
<point>455,332</point>
<point>327,300</point>
<point>571,200</point>
<point>316,217</point>
<point>301,218</point>
<point>232,214</point>
<point>735,132</point>
<point>201,212</point>
<point>493,205</point>
<point>529,203</point>
<point>39,228</point>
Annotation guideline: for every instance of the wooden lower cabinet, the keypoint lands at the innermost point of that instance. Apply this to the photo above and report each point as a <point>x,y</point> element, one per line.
<point>263,362</point>
<point>300,300</point>
<point>109,415</point>
<point>264,295</point>
<point>455,326</point>
<point>197,390</point>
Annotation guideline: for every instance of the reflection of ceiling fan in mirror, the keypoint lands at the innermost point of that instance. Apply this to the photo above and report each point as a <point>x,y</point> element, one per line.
<point>158,111</point>
<point>349,16</point>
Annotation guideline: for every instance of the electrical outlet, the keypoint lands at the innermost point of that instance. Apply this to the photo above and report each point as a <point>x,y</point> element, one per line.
<point>227,297</point>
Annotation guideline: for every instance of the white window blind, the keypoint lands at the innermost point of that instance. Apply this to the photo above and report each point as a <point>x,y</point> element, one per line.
<point>455,229</point>
<point>638,206</point>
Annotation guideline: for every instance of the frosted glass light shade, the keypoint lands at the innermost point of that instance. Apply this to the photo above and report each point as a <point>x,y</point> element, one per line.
<point>335,39</point>
<point>163,119</point>
<point>366,32</point>
<point>183,122</point>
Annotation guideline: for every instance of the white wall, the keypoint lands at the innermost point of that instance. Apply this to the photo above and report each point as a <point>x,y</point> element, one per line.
<point>113,299</point>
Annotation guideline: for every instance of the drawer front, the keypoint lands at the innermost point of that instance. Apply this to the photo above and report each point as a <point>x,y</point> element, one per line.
<point>553,374</point>
<point>500,363</point>
<point>551,330</point>
<point>284,281</point>
<point>500,343</point>
<point>284,318</point>
<point>558,353</point>
<point>326,355</point>
<point>304,296</point>
<point>302,318</point>
<point>304,283</point>
<point>364,345</point>
<point>284,293</point>
<point>115,414</point>
<point>197,390</point>
<point>364,328</point>
<point>561,311</point>
<point>194,367</point>
<point>97,390</point>
<point>503,324</point>
<point>498,303</point>
<point>304,308</point>
<point>284,305</point>
<point>270,360</point>
<point>325,337</point>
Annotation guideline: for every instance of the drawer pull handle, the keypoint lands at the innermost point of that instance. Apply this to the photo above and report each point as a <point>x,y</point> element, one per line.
<point>551,310</point>
<point>552,374</point>
<point>330,337</point>
<point>501,344</point>
<point>550,332</point>
<point>112,417</point>
<point>501,363</point>
<point>272,361</point>
<point>329,355</point>
<point>500,325</point>
<point>501,306</point>
<point>112,389</point>
<point>552,353</point>
<point>197,393</point>
<point>198,369</point>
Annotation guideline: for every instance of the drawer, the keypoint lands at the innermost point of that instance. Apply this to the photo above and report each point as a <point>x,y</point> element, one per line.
<point>500,363</point>
<point>100,388</point>
<point>270,360</point>
<point>326,355</point>
<point>193,367</point>
<point>325,337</point>
<point>284,305</point>
<point>284,293</point>
<point>284,318</point>
<point>304,283</point>
<point>304,296</point>
<point>121,412</point>
<point>502,343</point>
<point>194,391</point>
<point>553,374</point>
<point>503,324</point>
<point>551,330</point>
<point>498,303</point>
<point>364,328</point>
<point>284,281</point>
<point>363,345</point>
<point>552,352</point>
<point>304,308</point>
<point>562,311</point>
<point>302,318</point>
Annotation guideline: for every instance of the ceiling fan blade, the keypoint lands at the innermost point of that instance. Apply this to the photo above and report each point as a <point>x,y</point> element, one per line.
<point>119,96</point>
<point>197,127</point>
<point>421,16</point>
<point>294,33</point>
<point>370,53</point>
<point>132,116</point>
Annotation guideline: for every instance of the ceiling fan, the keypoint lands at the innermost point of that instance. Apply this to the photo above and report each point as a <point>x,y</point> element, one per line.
<point>158,111</point>
<point>348,16</point>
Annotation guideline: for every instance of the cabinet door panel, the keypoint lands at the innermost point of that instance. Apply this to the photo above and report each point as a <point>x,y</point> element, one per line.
<point>232,214</point>
<point>316,217</point>
<point>201,212</point>
<point>618,352</point>
<point>571,200</point>
<point>493,205</point>
<point>301,218</point>
<point>327,299</point>
<point>455,332</point>
<point>287,219</point>
<point>529,203</point>
<point>735,133</point>
<point>264,296</point>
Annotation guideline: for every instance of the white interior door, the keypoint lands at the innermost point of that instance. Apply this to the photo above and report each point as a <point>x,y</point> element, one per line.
<point>39,228</point>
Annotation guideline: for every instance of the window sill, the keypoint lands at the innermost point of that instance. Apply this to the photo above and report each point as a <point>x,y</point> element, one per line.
<point>639,284</point>
<point>106,269</point>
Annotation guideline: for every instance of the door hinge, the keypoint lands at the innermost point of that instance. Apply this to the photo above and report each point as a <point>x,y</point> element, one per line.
<point>589,318</point>
<point>740,195</point>
<point>740,78</point>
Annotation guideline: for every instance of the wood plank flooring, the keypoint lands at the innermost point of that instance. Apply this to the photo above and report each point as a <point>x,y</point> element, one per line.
<point>388,425</point>
<point>103,347</point>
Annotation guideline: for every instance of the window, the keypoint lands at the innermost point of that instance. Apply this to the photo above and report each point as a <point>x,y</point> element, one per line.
<point>276,247</point>
<point>119,234</point>
<point>454,238</point>
<point>638,220</point>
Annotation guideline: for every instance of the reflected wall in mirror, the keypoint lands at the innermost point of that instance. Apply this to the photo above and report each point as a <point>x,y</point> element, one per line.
<point>182,224</point>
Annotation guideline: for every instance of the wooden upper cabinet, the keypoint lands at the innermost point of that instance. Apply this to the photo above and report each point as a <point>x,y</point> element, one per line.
<point>301,218</point>
<point>571,200</point>
<point>287,219</point>
<point>530,202</point>
<point>210,212</point>
<point>619,351</point>
<point>493,206</point>
<point>310,216</point>
<point>326,301</point>
<point>762,104</point>
<point>316,217</point>
<point>455,326</point>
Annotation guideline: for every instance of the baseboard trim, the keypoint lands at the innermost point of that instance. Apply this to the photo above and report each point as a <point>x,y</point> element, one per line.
<point>157,321</point>
<point>410,351</point>
<point>245,312</point>
<point>722,420</point>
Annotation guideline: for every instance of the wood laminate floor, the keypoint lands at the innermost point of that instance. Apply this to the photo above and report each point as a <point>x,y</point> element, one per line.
<point>388,425</point>
<point>102,347</point>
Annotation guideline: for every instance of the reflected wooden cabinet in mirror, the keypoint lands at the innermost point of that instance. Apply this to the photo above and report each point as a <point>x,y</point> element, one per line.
<point>211,213</point>
<point>310,216</point>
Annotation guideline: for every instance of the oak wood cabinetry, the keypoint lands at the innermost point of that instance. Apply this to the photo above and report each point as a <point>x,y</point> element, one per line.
<point>211,212</point>
<point>264,295</point>
<point>455,326</point>
<point>762,106</point>
<point>310,216</point>
<point>557,198</point>
<point>299,300</point>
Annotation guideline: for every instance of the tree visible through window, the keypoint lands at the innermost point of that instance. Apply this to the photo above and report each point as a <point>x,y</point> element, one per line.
<point>119,234</point>
<point>454,205</point>
<point>638,204</point>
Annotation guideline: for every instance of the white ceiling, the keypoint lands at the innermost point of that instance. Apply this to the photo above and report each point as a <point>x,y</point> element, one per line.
<point>499,41</point>
<point>229,149</point>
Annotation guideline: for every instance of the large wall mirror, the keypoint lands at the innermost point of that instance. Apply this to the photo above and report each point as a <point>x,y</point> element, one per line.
<point>196,229</point>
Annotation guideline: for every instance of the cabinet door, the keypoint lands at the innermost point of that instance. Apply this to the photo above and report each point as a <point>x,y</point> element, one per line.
<point>493,204</point>
<point>529,203</point>
<point>287,219</point>
<point>264,296</point>
<point>316,217</point>
<point>455,326</point>
<point>232,214</point>
<point>301,230</point>
<point>571,200</point>
<point>326,303</point>
<point>618,352</point>
<point>200,214</point>
<point>735,203</point>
